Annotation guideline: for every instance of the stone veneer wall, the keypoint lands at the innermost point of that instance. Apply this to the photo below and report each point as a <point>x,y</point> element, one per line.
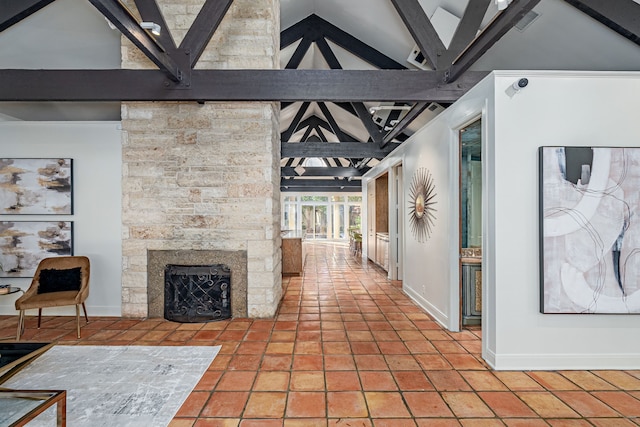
<point>206,177</point>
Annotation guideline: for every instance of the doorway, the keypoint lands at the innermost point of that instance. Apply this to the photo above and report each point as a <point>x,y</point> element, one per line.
<point>471,223</point>
<point>314,221</point>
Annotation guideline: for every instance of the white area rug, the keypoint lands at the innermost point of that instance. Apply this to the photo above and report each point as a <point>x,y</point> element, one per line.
<point>116,386</point>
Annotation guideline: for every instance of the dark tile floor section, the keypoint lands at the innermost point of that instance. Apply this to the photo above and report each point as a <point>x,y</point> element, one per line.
<point>348,348</point>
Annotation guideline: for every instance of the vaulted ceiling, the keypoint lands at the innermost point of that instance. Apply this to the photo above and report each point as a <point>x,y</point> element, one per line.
<point>348,95</point>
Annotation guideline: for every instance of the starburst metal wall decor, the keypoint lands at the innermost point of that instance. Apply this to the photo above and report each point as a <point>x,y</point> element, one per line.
<point>422,194</point>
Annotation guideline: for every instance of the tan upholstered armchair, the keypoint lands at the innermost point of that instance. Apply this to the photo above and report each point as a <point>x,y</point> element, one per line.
<point>58,281</point>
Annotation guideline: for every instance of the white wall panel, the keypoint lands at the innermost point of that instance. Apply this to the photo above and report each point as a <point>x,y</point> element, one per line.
<point>97,169</point>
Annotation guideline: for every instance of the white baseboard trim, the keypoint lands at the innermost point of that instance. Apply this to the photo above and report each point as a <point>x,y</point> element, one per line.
<point>525,362</point>
<point>438,315</point>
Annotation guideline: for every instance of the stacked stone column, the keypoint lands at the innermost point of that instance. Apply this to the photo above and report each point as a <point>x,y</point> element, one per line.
<point>205,176</point>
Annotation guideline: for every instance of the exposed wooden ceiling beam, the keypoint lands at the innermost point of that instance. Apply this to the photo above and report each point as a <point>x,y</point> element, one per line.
<point>286,135</point>
<point>421,29</point>
<point>344,172</point>
<point>300,52</point>
<point>415,111</point>
<point>326,183</point>
<point>366,119</point>
<point>234,85</point>
<point>14,11</point>
<point>202,29</point>
<point>622,16</point>
<point>344,149</point>
<point>316,28</point>
<point>327,54</point>
<point>331,120</point>
<point>320,189</point>
<point>465,32</point>
<point>150,11</point>
<point>121,17</point>
<point>503,22</point>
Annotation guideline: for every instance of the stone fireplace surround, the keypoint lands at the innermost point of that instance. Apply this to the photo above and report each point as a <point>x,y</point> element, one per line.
<point>158,259</point>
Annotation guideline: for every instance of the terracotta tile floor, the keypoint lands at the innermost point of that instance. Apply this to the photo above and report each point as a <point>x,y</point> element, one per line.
<point>347,348</point>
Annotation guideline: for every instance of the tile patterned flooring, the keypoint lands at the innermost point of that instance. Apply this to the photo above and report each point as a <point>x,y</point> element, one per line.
<point>348,348</point>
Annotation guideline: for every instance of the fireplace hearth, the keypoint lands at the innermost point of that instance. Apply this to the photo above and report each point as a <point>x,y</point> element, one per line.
<point>197,293</point>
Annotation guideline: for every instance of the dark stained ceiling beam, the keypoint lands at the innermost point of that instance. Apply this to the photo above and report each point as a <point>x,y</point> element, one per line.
<point>317,28</point>
<point>465,32</point>
<point>121,17</point>
<point>415,111</point>
<point>622,16</point>
<point>315,122</point>
<point>320,189</point>
<point>320,134</point>
<point>150,11</point>
<point>343,172</point>
<point>234,85</point>
<point>300,52</point>
<point>356,184</point>
<point>295,32</point>
<point>286,135</point>
<point>421,29</point>
<point>203,27</point>
<point>14,11</point>
<point>365,116</point>
<point>327,54</point>
<point>503,22</point>
<point>344,149</point>
<point>331,120</point>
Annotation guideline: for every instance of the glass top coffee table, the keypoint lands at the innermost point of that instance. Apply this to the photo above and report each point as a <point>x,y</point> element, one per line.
<point>21,406</point>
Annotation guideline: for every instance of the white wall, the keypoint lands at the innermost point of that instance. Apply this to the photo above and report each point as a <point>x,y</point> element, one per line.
<point>561,109</point>
<point>97,169</point>
<point>556,108</point>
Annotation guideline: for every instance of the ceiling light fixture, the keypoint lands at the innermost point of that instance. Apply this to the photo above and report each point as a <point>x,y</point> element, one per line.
<point>389,107</point>
<point>502,4</point>
<point>151,26</point>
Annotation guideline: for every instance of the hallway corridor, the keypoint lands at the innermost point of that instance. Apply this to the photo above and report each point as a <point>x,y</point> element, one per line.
<point>348,348</point>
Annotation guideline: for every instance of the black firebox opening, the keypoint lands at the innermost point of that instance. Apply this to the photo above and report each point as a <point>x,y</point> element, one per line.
<point>197,293</point>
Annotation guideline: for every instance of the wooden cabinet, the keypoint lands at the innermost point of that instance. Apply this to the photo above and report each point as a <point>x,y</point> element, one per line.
<point>293,253</point>
<point>378,220</point>
<point>382,250</point>
<point>371,220</point>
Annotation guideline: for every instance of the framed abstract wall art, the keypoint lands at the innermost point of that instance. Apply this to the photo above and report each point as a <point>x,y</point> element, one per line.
<point>36,186</point>
<point>24,243</point>
<point>589,230</point>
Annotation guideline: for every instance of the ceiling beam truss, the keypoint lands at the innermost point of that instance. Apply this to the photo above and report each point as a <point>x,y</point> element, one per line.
<point>14,11</point>
<point>338,171</point>
<point>150,11</point>
<point>465,32</point>
<point>202,29</point>
<point>501,24</point>
<point>345,149</point>
<point>622,16</point>
<point>234,85</point>
<point>122,18</point>
<point>421,29</point>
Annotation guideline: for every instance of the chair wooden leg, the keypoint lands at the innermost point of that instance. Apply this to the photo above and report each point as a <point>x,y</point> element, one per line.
<point>39,317</point>
<point>78,319</point>
<point>20,325</point>
<point>84,307</point>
